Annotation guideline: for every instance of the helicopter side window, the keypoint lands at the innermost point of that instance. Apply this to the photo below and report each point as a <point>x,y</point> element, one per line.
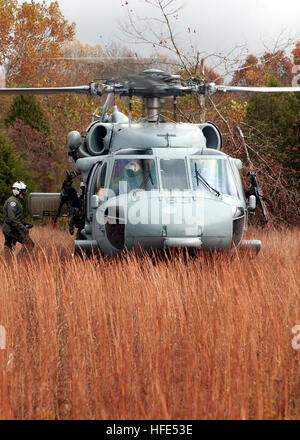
<point>132,174</point>
<point>100,181</point>
<point>216,173</point>
<point>173,174</point>
<point>238,180</point>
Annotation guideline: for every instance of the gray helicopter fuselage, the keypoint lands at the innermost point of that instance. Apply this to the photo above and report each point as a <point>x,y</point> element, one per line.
<point>169,204</point>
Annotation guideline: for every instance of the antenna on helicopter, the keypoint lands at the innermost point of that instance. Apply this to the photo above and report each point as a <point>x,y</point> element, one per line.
<point>175,108</point>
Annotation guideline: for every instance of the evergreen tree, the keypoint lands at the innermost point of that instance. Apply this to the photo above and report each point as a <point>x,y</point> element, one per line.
<point>276,116</point>
<point>29,132</point>
<point>12,168</point>
<point>28,109</point>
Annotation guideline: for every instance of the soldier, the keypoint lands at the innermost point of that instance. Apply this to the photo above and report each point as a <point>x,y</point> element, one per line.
<point>78,218</point>
<point>134,174</point>
<point>14,228</point>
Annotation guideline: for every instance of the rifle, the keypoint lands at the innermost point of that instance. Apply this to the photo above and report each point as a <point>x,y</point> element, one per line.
<point>257,192</point>
<point>68,195</point>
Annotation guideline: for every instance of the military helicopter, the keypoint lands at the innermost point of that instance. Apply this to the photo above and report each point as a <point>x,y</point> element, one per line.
<point>154,183</point>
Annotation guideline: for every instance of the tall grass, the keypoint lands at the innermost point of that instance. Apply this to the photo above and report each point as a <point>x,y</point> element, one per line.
<point>134,338</point>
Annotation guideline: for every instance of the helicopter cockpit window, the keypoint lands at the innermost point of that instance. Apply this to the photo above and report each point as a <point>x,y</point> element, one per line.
<point>131,174</point>
<point>216,173</point>
<point>131,151</point>
<point>173,174</point>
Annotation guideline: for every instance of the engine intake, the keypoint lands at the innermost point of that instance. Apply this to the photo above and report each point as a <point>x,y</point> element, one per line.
<point>97,139</point>
<point>212,135</point>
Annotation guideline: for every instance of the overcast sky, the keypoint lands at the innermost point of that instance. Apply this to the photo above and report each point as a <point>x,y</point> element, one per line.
<point>220,25</point>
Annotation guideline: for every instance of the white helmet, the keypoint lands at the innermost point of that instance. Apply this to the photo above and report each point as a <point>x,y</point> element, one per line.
<point>132,167</point>
<point>19,188</point>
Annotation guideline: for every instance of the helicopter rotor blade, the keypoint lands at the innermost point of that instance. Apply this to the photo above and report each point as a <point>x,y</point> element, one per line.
<point>93,89</point>
<point>227,89</point>
<point>149,83</point>
<point>95,60</point>
<point>44,90</point>
<point>91,59</point>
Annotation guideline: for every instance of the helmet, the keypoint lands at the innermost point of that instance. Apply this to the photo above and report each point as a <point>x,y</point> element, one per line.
<point>132,167</point>
<point>19,188</point>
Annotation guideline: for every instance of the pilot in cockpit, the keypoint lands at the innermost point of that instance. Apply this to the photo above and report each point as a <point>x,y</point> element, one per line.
<point>127,175</point>
<point>134,174</point>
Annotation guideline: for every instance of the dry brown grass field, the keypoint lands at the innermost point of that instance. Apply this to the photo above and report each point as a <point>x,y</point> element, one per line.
<point>182,338</point>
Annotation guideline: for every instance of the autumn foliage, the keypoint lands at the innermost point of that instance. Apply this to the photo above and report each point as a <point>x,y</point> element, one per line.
<point>31,34</point>
<point>259,71</point>
<point>296,54</point>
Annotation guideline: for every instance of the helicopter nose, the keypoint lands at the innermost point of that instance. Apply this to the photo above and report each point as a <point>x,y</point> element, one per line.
<point>183,221</point>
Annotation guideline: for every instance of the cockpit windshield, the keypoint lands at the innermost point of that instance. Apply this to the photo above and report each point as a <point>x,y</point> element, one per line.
<point>173,174</point>
<point>216,172</point>
<point>132,174</point>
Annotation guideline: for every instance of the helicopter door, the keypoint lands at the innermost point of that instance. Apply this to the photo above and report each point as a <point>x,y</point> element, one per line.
<point>91,189</point>
<point>98,185</point>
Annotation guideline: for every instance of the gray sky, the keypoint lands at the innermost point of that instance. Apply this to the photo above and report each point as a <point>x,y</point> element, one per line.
<point>220,25</point>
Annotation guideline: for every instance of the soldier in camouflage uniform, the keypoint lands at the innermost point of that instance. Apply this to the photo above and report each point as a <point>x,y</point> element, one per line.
<point>78,217</point>
<point>14,228</point>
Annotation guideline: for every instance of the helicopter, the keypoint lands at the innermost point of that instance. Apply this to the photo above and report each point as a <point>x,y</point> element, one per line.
<point>153,183</point>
